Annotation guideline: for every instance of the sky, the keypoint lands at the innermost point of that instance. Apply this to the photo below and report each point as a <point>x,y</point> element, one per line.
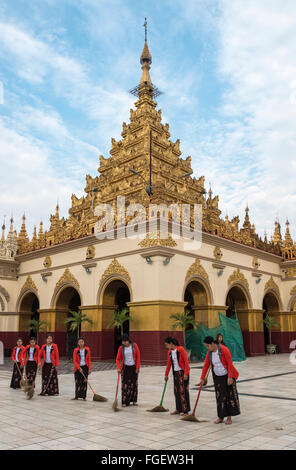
<point>227,71</point>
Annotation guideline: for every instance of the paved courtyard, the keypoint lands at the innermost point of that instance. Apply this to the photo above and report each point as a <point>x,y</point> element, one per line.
<point>267,390</point>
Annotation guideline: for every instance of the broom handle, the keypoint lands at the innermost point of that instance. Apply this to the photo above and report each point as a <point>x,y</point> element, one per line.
<point>164,388</point>
<point>18,370</point>
<point>117,384</point>
<point>86,380</point>
<point>200,387</point>
<point>194,409</point>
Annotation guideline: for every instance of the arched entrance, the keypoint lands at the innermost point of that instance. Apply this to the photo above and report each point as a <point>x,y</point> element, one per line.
<point>270,307</point>
<point>115,296</point>
<point>67,300</point>
<point>28,310</point>
<point>236,301</point>
<point>197,299</point>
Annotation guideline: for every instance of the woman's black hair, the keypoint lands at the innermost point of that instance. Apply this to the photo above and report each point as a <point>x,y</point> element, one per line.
<point>125,337</point>
<point>80,337</point>
<point>19,339</point>
<point>209,340</point>
<point>168,340</point>
<point>219,334</point>
<point>33,339</point>
<point>171,340</point>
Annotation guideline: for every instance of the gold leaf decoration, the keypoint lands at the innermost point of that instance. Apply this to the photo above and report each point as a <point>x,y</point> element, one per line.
<point>67,277</point>
<point>29,284</point>
<point>271,284</point>
<point>90,252</point>
<point>47,262</point>
<point>255,263</point>
<point>196,269</point>
<point>293,290</point>
<point>155,239</point>
<point>218,253</point>
<point>115,268</point>
<point>237,276</point>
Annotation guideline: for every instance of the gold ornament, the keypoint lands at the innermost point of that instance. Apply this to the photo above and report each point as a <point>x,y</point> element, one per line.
<point>66,278</point>
<point>237,276</point>
<point>90,252</point>
<point>196,269</point>
<point>271,284</point>
<point>47,262</point>
<point>115,268</point>
<point>29,285</point>
<point>218,253</point>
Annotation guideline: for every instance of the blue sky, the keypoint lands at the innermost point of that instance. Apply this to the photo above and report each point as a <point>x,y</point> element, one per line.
<point>227,70</point>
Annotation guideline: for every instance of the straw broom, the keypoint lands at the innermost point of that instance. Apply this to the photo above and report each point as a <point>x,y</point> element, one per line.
<point>96,397</point>
<point>159,408</point>
<point>23,382</point>
<point>192,416</point>
<point>115,403</point>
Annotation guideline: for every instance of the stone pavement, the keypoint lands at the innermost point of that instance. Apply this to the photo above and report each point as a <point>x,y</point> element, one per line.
<point>268,419</point>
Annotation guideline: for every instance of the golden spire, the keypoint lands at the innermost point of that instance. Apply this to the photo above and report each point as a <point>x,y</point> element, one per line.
<point>288,239</point>
<point>247,224</point>
<point>145,60</point>
<point>23,240</point>
<point>3,231</point>
<point>277,237</point>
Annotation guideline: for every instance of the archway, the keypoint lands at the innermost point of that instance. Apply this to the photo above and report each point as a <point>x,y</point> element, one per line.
<point>28,310</point>
<point>197,298</point>
<point>271,307</point>
<point>115,296</point>
<point>236,301</point>
<point>67,300</point>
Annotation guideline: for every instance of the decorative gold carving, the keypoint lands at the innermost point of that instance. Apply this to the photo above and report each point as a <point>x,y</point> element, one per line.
<point>293,290</point>
<point>196,269</point>
<point>154,239</point>
<point>218,253</point>
<point>238,276</point>
<point>255,263</point>
<point>115,268</point>
<point>144,131</point>
<point>271,284</point>
<point>67,277</point>
<point>29,284</point>
<point>291,272</point>
<point>90,252</point>
<point>47,262</point>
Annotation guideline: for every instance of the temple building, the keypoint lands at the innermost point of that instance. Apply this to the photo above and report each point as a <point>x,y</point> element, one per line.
<point>68,267</point>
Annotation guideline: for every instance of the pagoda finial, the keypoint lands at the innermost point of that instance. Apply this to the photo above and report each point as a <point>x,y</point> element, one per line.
<point>145,26</point>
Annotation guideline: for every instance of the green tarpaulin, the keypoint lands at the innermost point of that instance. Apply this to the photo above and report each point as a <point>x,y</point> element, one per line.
<point>232,335</point>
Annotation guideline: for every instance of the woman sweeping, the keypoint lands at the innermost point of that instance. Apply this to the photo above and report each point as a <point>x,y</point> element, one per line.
<point>18,367</point>
<point>178,359</point>
<point>49,357</point>
<point>82,369</point>
<point>128,363</point>
<point>224,376</point>
<point>31,360</point>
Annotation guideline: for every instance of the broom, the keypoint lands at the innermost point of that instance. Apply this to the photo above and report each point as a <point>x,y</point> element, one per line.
<point>96,397</point>
<point>192,416</point>
<point>23,382</point>
<point>115,403</point>
<point>159,408</point>
<point>30,388</point>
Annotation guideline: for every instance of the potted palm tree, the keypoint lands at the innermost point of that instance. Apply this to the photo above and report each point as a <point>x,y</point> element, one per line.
<point>75,321</point>
<point>182,321</point>
<point>270,323</point>
<point>36,326</point>
<point>119,318</point>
